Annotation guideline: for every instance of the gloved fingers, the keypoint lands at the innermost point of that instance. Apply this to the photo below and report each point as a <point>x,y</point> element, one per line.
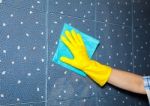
<point>67,60</point>
<point>80,39</point>
<point>70,38</point>
<point>75,37</point>
<point>67,43</point>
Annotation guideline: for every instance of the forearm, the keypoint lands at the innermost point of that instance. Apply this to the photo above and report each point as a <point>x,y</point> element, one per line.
<point>127,81</point>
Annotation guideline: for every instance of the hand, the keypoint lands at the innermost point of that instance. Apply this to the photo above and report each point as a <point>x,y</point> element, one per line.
<point>76,45</point>
<point>97,71</point>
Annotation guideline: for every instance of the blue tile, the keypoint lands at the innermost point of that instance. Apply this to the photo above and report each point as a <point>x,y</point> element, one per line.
<point>115,50</point>
<point>27,75</point>
<point>22,40</point>
<point>116,45</point>
<point>141,9</point>
<point>116,97</point>
<point>34,104</point>
<point>141,42</point>
<point>20,93</point>
<point>68,86</point>
<point>114,11</point>
<point>142,63</point>
<point>64,84</point>
<point>77,8</point>
<point>30,104</point>
<point>87,101</point>
<point>141,47</point>
<point>39,5</point>
<point>141,100</point>
<point>22,55</point>
<point>141,38</point>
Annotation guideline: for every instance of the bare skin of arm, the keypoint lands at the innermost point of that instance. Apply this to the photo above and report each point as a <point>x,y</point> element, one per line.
<point>127,81</point>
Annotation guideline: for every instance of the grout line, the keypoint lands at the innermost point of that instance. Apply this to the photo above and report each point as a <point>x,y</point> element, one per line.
<point>46,33</point>
<point>95,11</point>
<point>95,26</point>
<point>80,18</point>
<point>43,11</point>
<point>132,29</point>
<point>77,99</point>
<point>23,103</point>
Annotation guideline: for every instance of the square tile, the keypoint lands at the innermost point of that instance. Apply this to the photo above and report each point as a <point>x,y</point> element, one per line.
<point>20,93</point>
<point>141,9</point>
<point>114,11</point>
<point>80,9</point>
<point>116,51</point>
<point>26,75</point>
<point>141,38</point>
<point>141,47</point>
<point>116,45</point>
<point>30,104</point>
<point>70,86</point>
<point>117,97</point>
<point>39,5</point>
<point>87,101</point>
<point>142,63</point>
<point>64,84</point>
<point>141,100</point>
<point>22,46</point>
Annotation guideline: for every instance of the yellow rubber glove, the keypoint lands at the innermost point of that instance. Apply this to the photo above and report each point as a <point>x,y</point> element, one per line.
<point>98,72</point>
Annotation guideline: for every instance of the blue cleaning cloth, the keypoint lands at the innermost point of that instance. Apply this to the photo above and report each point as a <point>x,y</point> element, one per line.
<point>62,49</point>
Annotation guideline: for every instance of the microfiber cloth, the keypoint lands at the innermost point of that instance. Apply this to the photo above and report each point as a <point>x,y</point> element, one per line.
<point>62,50</point>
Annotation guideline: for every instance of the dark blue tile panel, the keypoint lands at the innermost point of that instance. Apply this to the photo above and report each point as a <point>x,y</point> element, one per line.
<point>141,46</point>
<point>142,63</point>
<point>116,45</point>
<point>116,51</point>
<point>21,93</point>
<point>22,56</point>
<point>39,5</point>
<point>22,46</point>
<point>75,8</point>
<point>114,11</point>
<point>87,101</point>
<point>30,104</point>
<point>141,38</point>
<point>62,83</point>
<point>117,97</point>
<point>141,10</point>
<point>141,100</point>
